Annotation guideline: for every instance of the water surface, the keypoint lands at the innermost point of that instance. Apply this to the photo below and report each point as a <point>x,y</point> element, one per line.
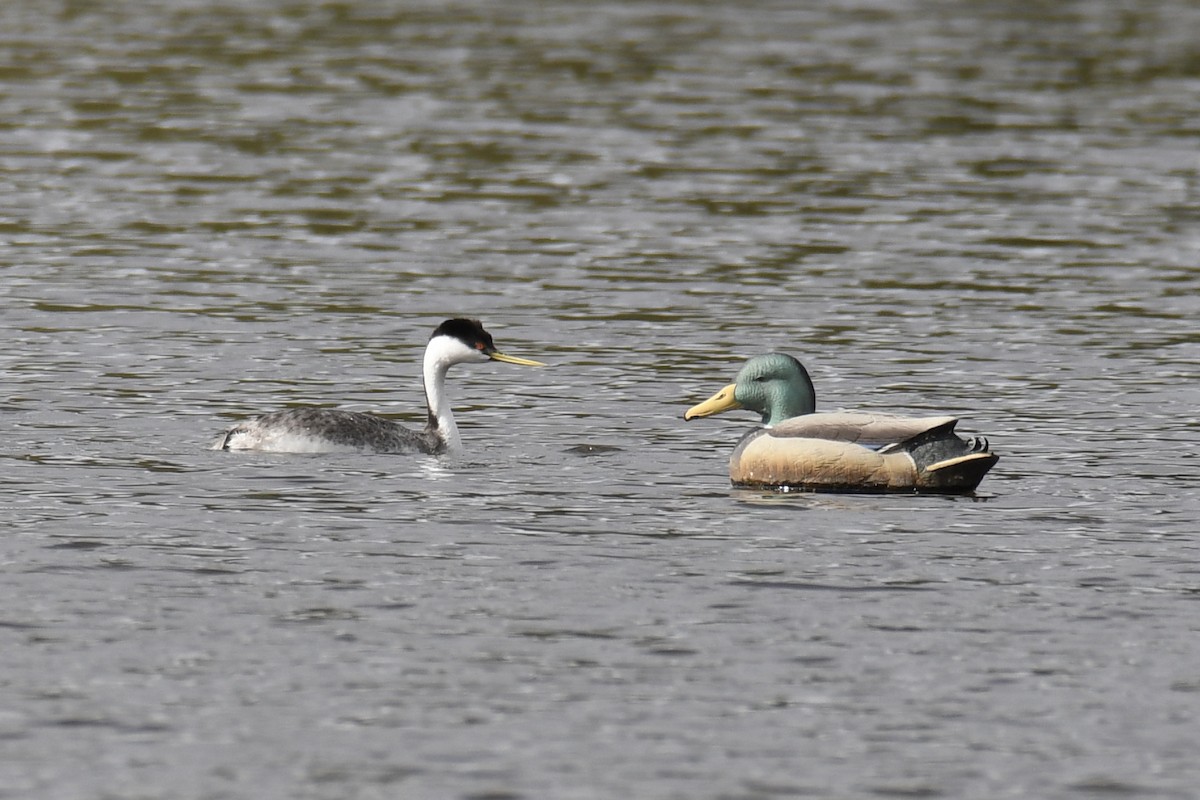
<point>210,210</point>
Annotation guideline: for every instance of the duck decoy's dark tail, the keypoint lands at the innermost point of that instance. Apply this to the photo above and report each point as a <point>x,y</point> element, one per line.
<point>947,463</point>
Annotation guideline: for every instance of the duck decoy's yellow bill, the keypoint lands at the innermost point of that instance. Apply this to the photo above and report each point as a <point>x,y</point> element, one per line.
<point>721,401</point>
<point>496,355</point>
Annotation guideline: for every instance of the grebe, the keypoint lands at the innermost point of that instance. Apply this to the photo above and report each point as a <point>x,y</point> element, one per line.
<point>841,451</point>
<point>325,430</point>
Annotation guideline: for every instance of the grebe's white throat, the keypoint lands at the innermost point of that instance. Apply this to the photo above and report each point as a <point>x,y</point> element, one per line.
<point>323,430</point>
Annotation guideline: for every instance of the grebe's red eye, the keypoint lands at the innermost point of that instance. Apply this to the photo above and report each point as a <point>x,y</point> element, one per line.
<point>479,345</point>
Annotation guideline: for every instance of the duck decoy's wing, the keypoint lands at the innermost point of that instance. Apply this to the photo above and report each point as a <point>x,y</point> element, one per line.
<point>859,427</point>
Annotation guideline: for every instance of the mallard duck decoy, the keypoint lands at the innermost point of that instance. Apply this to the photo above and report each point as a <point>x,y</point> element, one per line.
<point>328,430</point>
<point>841,451</point>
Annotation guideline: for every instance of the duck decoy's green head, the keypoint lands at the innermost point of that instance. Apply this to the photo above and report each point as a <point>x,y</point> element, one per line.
<point>775,385</point>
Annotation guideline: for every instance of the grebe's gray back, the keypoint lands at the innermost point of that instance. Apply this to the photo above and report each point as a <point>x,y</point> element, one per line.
<point>324,430</point>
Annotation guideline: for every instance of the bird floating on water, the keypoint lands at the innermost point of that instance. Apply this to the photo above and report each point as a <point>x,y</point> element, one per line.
<point>326,430</point>
<point>842,451</point>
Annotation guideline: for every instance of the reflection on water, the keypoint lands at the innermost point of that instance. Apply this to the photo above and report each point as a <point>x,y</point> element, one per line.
<point>211,210</point>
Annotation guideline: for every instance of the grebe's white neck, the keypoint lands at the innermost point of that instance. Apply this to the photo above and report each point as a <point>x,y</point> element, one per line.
<point>441,353</point>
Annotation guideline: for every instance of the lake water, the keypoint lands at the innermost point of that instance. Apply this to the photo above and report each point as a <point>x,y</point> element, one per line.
<point>210,210</point>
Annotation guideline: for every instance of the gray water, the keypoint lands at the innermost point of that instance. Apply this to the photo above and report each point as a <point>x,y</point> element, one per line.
<point>210,210</point>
